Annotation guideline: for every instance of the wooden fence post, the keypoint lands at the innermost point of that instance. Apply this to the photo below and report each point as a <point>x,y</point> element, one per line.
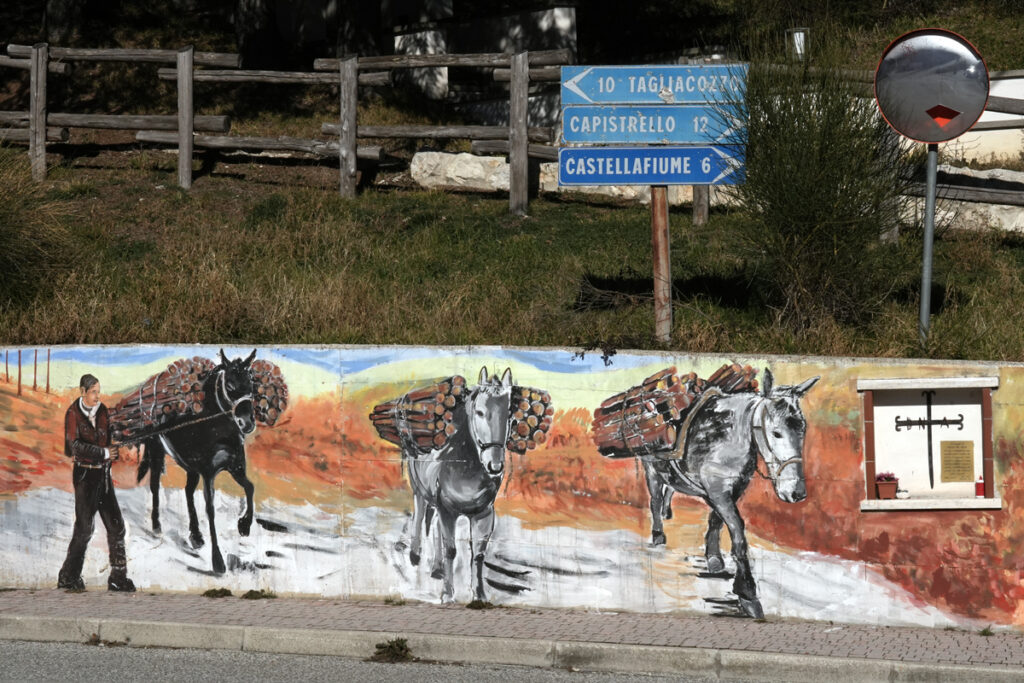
<point>518,144</point>
<point>37,110</point>
<point>186,116</point>
<point>701,204</point>
<point>348,104</point>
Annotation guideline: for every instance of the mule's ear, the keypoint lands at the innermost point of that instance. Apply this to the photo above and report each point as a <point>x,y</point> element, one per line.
<point>767,383</point>
<point>248,360</point>
<point>483,376</point>
<point>223,358</point>
<point>806,386</point>
<point>506,379</point>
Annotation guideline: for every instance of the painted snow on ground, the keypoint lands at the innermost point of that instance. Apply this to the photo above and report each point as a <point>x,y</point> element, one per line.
<point>363,552</point>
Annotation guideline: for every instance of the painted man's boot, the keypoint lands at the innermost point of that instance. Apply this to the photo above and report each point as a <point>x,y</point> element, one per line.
<point>76,584</point>
<point>119,581</point>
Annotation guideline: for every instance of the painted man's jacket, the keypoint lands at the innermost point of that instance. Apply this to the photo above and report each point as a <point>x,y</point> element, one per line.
<point>82,441</point>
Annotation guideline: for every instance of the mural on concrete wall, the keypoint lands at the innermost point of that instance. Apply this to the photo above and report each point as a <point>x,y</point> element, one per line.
<point>333,511</point>
<point>199,413</point>
<point>703,438</point>
<point>453,440</point>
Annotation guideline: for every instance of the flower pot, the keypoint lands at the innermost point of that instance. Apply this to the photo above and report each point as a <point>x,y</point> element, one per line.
<point>886,489</point>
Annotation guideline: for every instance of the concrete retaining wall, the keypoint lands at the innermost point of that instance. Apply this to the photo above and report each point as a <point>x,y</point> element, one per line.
<point>334,511</point>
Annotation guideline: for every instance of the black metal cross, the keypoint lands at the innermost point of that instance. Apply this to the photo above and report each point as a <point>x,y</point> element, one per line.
<point>926,423</point>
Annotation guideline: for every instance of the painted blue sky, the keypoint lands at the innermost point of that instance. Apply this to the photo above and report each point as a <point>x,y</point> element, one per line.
<point>355,359</point>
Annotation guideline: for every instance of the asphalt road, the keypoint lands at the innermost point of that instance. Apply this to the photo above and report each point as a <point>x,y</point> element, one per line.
<point>68,662</point>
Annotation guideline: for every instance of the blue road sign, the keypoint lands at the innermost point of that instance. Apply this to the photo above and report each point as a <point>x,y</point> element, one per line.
<point>654,84</point>
<point>653,123</point>
<point>706,165</point>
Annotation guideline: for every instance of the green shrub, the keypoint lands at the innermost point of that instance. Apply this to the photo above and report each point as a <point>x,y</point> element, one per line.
<point>824,175</point>
<point>35,243</point>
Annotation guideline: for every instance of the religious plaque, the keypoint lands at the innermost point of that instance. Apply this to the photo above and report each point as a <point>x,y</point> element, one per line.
<point>957,461</point>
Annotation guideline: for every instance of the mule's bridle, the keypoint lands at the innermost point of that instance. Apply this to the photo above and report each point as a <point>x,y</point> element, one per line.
<point>222,392</point>
<point>757,424</point>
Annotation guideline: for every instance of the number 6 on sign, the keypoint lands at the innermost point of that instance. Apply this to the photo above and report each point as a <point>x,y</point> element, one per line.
<point>705,165</point>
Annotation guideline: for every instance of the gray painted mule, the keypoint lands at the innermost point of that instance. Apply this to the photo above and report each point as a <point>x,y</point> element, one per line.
<point>462,479</point>
<point>724,433</point>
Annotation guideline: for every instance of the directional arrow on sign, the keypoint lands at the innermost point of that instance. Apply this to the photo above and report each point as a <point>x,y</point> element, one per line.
<point>653,84</point>
<point>698,165</point>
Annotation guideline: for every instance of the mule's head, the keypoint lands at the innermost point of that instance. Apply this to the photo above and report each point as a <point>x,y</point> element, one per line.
<point>779,430</point>
<point>488,408</point>
<point>234,390</point>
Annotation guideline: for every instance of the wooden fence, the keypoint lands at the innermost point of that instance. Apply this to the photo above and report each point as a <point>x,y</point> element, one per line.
<point>37,126</point>
<point>520,142</point>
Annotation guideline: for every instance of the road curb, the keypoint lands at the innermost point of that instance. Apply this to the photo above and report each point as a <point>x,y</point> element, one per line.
<point>720,664</point>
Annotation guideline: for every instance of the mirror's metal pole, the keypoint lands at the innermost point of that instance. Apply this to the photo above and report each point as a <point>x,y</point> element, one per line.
<point>929,234</point>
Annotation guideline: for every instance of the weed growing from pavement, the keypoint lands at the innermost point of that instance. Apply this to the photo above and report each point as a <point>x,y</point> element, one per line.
<point>217,593</point>
<point>394,650</point>
<point>480,604</point>
<point>261,594</point>
<point>987,631</point>
<point>394,602</point>
<point>95,639</point>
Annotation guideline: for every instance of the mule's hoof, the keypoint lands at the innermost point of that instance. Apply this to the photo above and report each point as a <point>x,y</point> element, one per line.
<point>218,564</point>
<point>447,598</point>
<point>752,608</point>
<point>668,512</point>
<point>716,564</point>
<point>657,538</point>
<point>243,526</point>
<point>157,529</point>
<point>196,540</point>
<point>437,573</point>
<point>414,557</point>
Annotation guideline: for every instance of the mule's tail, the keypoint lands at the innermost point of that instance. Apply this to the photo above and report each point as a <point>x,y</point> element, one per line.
<point>148,462</point>
<point>143,468</point>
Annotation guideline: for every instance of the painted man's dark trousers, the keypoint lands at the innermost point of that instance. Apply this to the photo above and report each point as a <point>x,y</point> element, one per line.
<point>94,492</point>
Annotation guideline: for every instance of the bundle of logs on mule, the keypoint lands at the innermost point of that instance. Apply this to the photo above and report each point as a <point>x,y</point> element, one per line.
<point>645,419</point>
<point>422,417</point>
<point>270,393</point>
<point>176,391</point>
<point>531,418</point>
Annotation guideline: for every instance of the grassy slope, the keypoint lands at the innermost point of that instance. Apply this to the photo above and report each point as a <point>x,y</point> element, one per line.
<point>267,253</point>
<point>263,251</point>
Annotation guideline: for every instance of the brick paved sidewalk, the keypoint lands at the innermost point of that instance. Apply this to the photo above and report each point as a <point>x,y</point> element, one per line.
<point>897,644</point>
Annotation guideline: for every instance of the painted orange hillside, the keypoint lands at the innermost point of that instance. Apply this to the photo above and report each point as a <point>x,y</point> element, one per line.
<point>32,441</point>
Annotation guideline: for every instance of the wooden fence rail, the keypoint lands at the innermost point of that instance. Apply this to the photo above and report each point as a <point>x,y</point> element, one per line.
<point>26,65</point>
<point>22,134</point>
<point>215,59</point>
<point>538,134</point>
<point>206,124</point>
<point>323,148</point>
<point>542,152</point>
<point>380,78</point>
<point>494,60</point>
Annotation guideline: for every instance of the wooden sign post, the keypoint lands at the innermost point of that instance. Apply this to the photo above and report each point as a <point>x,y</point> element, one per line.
<point>650,125</point>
